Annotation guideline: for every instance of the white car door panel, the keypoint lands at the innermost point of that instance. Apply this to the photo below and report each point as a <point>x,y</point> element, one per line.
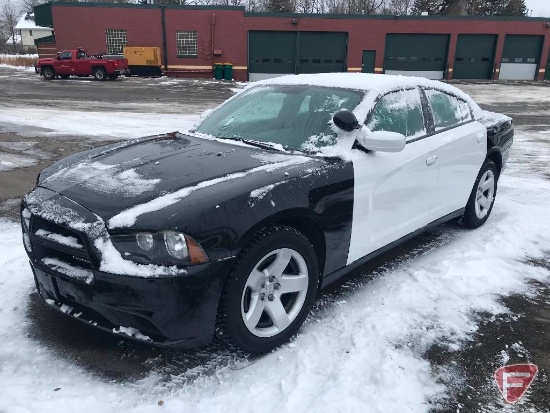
<point>461,153</point>
<point>462,147</point>
<point>392,196</point>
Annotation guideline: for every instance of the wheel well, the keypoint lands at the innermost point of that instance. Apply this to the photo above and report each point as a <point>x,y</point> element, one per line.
<point>45,67</point>
<point>312,232</point>
<point>496,157</point>
<point>94,68</point>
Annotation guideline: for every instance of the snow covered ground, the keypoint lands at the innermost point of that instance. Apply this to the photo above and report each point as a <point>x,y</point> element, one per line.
<point>362,350</point>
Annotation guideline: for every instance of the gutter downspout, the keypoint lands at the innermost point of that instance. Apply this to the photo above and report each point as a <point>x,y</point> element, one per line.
<point>164,46</point>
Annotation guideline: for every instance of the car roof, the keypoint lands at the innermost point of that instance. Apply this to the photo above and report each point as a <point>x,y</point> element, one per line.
<point>357,81</point>
<point>373,83</point>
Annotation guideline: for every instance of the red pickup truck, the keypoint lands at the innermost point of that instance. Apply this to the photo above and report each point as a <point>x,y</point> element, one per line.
<point>78,63</point>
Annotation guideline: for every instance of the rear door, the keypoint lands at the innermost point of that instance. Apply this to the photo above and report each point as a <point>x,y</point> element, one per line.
<point>461,150</point>
<point>393,192</point>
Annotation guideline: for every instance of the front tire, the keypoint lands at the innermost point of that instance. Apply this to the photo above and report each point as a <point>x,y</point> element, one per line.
<point>48,73</point>
<point>481,201</point>
<point>269,292</point>
<point>100,74</point>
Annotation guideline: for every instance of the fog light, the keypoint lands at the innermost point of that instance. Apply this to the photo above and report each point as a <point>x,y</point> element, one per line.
<point>175,244</point>
<point>145,241</point>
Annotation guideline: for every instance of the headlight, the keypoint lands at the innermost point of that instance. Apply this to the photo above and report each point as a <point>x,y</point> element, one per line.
<point>161,248</point>
<point>176,245</point>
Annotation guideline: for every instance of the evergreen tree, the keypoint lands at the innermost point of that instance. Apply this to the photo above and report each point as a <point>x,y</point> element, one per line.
<point>515,8</point>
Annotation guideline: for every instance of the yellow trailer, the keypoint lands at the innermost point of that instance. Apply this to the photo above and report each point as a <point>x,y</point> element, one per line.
<point>143,61</point>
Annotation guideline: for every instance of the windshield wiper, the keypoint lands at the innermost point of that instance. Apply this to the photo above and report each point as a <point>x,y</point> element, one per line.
<point>257,144</point>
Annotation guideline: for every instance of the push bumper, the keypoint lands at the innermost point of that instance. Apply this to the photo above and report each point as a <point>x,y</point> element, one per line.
<point>175,311</point>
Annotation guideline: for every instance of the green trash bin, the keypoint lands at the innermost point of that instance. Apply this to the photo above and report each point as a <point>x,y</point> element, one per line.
<point>228,71</point>
<point>218,71</point>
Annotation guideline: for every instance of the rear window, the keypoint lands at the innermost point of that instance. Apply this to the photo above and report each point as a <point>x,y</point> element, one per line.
<point>448,110</point>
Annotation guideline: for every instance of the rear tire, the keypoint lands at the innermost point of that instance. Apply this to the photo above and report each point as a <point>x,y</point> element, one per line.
<point>269,292</point>
<point>100,74</point>
<point>482,198</point>
<point>48,73</point>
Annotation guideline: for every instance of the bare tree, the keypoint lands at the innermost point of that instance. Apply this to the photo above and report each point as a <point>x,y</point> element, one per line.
<point>29,5</point>
<point>9,16</point>
<point>398,7</point>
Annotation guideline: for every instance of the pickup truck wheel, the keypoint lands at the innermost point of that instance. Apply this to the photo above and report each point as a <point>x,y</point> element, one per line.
<point>113,77</point>
<point>482,198</point>
<point>269,292</point>
<point>64,76</point>
<point>48,73</point>
<point>100,74</point>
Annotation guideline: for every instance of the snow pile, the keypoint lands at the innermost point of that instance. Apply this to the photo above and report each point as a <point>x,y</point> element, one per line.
<point>124,125</point>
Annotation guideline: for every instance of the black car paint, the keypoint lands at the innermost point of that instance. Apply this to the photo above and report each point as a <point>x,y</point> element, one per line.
<point>315,196</point>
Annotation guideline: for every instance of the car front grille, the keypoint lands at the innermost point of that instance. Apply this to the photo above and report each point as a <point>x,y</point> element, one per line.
<point>57,249</point>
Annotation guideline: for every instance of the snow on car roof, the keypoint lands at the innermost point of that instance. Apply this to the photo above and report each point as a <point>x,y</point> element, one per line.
<point>373,83</point>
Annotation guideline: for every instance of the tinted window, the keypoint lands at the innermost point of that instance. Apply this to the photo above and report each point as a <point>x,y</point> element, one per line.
<point>66,56</point>
<point>399,112</point>
<point>447,110</point>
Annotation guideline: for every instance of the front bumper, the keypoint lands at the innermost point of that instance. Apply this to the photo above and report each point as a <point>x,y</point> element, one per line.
<point>176,311</point>
<point>170,309</point>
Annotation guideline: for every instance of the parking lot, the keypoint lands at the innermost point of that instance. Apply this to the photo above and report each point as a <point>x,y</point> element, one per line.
<point>421,328</point>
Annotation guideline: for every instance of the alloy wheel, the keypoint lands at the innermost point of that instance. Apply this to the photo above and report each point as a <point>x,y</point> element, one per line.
<point>485,194</point>
<point>274,292</point>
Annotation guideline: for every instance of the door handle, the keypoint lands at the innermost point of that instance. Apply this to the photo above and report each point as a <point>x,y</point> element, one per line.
<point>480,137</point>
<point>431,160</point>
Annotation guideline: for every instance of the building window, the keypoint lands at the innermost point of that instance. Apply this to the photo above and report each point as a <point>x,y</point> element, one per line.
<point>116,40</point>
<point>187,43</point>
<point>30,33</point>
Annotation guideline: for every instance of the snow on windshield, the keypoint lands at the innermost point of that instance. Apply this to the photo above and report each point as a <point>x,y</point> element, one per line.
<point>287,116</point>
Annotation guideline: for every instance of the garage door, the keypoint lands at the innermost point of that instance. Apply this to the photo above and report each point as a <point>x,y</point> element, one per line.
<point>521,57</point>
<point>321,52</point>
<point>416,55</point>
<point>273,54</point>
<point>475,55</point>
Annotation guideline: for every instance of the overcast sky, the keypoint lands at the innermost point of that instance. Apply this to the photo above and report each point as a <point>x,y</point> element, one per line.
<point>538,8</point>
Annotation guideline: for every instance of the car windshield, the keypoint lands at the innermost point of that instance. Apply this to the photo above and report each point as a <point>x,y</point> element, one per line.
<point>295,117</point>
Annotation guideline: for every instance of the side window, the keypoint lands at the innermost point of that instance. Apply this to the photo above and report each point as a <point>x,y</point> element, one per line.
<point>399,112</point>
<point>447,110</point>
<point>66,56</point>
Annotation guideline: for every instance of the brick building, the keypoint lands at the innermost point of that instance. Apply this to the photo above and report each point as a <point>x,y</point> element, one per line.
<point>260,45</point>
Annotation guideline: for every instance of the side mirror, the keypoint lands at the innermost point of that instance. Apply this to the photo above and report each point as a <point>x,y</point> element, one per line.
<point>383,141</point>
<point>345,120</point>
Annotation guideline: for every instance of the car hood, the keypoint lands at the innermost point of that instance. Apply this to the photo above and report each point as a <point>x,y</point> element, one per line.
<point>118,177</point>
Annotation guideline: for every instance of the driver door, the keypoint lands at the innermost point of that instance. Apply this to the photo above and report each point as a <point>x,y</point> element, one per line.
<point>65,64</point>
<point>393,192</point>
